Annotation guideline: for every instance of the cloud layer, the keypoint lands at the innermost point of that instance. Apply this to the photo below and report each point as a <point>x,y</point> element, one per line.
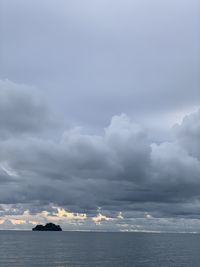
<point>89,91</point>
<point>137,57</point>
<point>120,170</point>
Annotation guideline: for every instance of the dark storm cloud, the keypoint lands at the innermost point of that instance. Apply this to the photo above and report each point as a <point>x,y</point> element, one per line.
<point>119,170</point>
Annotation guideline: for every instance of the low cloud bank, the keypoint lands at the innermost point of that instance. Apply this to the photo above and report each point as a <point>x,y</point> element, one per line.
<point>118,171</point>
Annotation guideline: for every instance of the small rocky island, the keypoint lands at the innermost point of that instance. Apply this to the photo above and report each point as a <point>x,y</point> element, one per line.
<point>47,227</point>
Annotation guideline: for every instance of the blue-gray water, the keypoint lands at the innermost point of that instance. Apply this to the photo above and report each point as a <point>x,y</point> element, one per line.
<point>77,249</point>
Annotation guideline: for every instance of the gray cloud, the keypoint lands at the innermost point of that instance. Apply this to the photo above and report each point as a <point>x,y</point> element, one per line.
<point>128,56</point>
<point>91,61</point>
<point>21,111</point>
<point>119,170</point>
<point>188,134</point>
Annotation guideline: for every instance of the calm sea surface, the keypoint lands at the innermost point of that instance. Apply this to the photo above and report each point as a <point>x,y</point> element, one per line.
<point>77,249</point>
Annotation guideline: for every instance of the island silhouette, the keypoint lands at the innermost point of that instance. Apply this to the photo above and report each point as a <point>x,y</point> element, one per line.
<point>47,227</point>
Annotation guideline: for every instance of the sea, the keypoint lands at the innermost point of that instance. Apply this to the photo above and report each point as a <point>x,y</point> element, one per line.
<point>94,249</point>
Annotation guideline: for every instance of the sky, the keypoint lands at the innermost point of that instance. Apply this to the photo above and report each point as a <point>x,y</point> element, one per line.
<point>100,115</point>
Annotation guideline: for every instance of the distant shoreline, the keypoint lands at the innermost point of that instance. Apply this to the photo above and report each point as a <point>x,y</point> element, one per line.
<point>108,232</point>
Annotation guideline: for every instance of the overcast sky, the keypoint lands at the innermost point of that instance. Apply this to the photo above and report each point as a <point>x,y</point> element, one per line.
<point>99,114</point>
